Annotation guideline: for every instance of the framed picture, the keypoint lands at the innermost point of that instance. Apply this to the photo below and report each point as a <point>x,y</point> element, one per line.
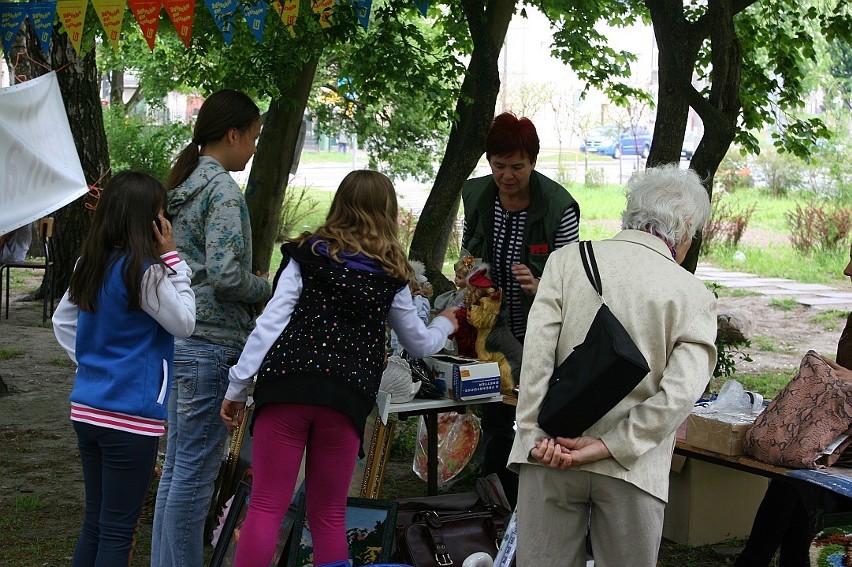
<point>237,466</point>
<point>369,529</point>
<point>226,547</point>
<point>370,471</point>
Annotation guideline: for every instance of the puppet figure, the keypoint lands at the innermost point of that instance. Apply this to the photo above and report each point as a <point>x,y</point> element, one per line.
<point>495,341</point>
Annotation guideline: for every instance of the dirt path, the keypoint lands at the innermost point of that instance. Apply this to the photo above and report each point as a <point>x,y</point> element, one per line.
<point>40,474</point>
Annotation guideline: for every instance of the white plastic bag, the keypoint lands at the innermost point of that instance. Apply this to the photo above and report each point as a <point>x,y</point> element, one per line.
<point>733,404</point>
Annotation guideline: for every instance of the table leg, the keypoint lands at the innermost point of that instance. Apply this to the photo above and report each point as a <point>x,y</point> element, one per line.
<point>431,453</point>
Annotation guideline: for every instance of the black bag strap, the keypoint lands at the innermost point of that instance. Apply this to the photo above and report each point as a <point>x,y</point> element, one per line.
<point>587,255</point>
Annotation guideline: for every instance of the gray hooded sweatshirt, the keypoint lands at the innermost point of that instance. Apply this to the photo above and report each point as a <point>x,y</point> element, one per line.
<point>213,235</point>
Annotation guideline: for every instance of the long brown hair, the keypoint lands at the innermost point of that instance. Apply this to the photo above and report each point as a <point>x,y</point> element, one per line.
<point>121,227</point>
<point>221,111</point>
<point>363,220</point>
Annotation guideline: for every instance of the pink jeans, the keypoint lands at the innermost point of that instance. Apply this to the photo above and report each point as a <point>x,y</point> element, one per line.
<point>282,432</point>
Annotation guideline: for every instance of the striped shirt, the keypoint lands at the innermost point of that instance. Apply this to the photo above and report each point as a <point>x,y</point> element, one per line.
<point>117,420</point>
<point>508,244</point>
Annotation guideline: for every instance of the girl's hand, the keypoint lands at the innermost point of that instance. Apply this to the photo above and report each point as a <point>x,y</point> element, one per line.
<point>450,313</point>
<point>163,235</point>
<point>232,413</point>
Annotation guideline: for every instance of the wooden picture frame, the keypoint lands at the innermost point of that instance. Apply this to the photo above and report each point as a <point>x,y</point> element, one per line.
<point>226,547</point>
<point>370,525</point>
<point>369,472</point>
<point>237,466</point>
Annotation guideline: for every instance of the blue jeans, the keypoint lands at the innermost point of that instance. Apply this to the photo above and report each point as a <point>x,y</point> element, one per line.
<point>117,468</point>
<point>194,453</point>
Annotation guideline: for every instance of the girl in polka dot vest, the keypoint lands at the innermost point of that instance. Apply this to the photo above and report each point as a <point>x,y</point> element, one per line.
<point>318,351</point>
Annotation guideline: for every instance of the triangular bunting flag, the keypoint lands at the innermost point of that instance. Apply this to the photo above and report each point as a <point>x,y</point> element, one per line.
<point>363,10</point>
<point>423,6</point>
<point>288,11</point>
<point>147,14</point>
<point>12,15</point>
<point>181,13</point>
<point>72,14</point>
<point>42,15</point>
<point>111,15</point>
<point>324,8</point>
<point>224,13</point>
<point>255,16</point>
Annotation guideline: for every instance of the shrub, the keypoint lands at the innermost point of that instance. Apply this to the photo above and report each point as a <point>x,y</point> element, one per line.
<point>134,143</point>
<point>781,173</point>
<point>407,224</point>
<point>297,205</point>
<point>733,173</point>
<point>595,177</point>
<point>726,225</point>
<point>818,226</point>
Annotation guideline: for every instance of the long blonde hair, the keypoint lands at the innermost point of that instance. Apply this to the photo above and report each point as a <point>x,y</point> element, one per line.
<point>363,219</point>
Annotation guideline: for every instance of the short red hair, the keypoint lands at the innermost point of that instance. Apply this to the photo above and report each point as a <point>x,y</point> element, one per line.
<point>509,134</point>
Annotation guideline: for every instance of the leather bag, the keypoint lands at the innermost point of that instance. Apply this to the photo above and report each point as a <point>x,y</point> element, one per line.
<point>442,531</point>
<point>804,419</point>
<point>598,374</point>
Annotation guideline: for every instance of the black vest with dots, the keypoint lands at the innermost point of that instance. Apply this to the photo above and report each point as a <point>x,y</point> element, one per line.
<point>332,351</point>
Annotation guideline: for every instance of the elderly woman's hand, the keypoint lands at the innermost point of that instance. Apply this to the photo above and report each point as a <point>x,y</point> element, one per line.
<point>529,283</point>
<point>551,454</point>
<point>584,450</point>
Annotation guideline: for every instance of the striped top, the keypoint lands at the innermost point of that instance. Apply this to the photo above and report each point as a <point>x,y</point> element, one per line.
<point>117,420</point>
<point>508,244</point>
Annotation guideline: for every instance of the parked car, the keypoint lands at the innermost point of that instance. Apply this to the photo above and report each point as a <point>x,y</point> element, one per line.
<point>606,140</point>
<point>688,148</point>
<point>633,142</point>
<point>603,140</point>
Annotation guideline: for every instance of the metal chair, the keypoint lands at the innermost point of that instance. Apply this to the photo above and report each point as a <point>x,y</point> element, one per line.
<point>45,231</point>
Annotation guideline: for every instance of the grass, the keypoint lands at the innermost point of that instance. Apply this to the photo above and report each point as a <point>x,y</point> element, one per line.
<point>722,291</point>
<point>775,261</point>
<point>768,384</point>
<point>765,344</point>
<point>786,304</point>
<point>7,353</point>
<point>830,318</point>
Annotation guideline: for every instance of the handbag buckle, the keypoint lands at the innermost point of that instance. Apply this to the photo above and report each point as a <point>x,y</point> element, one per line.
<point>443,559</point>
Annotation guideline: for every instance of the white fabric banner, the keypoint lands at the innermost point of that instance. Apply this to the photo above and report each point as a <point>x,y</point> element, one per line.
<point>40,171</point>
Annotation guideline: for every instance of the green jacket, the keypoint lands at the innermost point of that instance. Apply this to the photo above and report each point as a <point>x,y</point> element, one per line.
<point>548,202</point>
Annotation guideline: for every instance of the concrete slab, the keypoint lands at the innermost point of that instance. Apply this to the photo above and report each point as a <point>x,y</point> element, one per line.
<point>822,301</point>
<point>805,287</point>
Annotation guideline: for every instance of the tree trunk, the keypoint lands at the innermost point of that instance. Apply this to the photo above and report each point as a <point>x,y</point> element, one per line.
<point>116,88</point>
<point>270,171</point>
<point>488,22</point>
<point>78,81</point>
<point>679,42</point>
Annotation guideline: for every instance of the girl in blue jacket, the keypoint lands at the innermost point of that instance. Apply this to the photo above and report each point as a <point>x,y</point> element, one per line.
<point>128,298</point>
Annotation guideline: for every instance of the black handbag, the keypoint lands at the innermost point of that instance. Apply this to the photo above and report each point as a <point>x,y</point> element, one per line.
<point>598,374</point>
<point>442,531</point>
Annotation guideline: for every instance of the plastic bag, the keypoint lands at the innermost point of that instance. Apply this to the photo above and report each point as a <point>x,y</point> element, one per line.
<point>734,404</point>
<point>458,436</point>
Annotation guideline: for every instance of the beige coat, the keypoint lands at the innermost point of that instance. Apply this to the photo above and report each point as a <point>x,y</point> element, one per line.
<point>671,317</point>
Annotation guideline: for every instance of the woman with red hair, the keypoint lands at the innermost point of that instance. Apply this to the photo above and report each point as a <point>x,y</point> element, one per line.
<point>513,219</point>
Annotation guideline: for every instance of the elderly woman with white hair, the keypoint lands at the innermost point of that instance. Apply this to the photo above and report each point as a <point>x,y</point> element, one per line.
<point>614,477</point>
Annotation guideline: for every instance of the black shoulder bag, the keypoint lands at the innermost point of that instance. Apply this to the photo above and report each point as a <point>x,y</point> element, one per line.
<point>601,371</point>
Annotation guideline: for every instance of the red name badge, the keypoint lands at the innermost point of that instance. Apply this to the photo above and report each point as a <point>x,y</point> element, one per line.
<point>539,249</point>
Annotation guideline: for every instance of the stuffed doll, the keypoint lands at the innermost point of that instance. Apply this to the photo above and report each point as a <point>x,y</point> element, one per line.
<point>478,285</point>
<point>495,341</point>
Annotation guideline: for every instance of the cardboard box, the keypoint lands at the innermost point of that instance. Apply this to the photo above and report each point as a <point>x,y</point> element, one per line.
<point>711,433</point>
<point>464,378</point>
<point>710,503</point>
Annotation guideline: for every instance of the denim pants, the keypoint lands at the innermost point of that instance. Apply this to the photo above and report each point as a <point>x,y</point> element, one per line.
<point>194,452</point>
<point>117,468</point>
